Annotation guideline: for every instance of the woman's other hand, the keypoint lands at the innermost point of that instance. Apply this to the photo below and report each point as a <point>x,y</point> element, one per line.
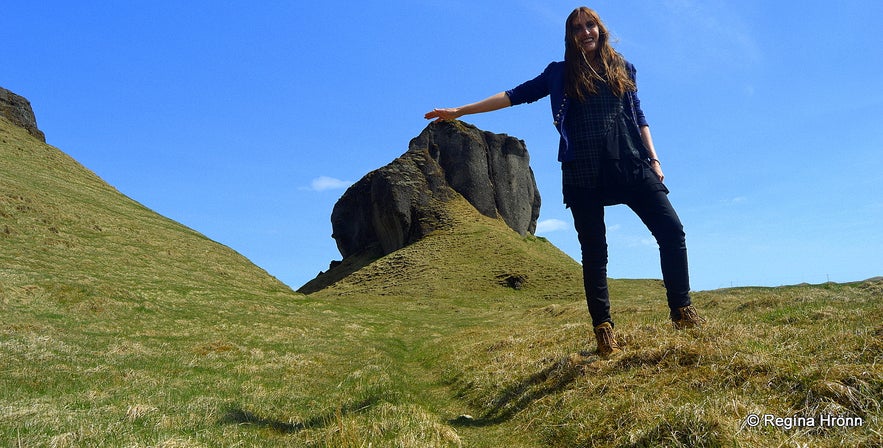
<point>488,104</point>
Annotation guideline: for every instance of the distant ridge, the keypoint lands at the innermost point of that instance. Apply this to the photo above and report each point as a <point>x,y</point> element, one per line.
<point>17,109</point>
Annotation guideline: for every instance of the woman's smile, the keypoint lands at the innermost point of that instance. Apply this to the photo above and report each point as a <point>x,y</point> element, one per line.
<point>589,44</point>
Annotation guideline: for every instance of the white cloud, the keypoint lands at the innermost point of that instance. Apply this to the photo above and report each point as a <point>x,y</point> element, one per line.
<point>636,241</point>
<point>551,225</point>
<point>735,201</point>
<point>323,183</point>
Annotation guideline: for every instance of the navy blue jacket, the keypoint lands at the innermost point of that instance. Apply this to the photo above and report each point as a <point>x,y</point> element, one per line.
<point>551,83</point>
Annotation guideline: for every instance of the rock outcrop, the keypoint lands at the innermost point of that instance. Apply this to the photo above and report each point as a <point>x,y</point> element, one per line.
<point>17,109</point>
<point>402,202</point>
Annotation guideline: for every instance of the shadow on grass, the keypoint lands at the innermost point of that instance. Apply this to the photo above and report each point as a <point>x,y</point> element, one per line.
<point>519,396</point>
<point>235,415</point>
<point>342,269</point>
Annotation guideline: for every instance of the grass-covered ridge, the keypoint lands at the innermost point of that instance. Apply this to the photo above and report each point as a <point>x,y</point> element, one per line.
<point>122,328</point>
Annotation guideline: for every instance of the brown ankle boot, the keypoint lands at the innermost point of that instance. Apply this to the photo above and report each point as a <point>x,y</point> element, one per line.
<point>687,317</point>
<point>607,345</point>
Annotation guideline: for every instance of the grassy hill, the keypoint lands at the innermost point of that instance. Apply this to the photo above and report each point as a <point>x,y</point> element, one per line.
<point>119,327</point>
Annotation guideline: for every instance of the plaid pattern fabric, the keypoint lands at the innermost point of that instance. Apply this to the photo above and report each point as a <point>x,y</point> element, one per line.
<point>587,124</point>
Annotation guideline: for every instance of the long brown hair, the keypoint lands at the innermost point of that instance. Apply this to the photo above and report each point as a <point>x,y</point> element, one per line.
<point>579,76</point>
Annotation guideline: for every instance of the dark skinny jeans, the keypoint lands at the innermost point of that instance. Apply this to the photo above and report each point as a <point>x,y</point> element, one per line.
<point>651,204</point>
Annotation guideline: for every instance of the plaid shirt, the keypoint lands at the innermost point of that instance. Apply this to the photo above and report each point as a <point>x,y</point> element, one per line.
<point>551,83</point>
<point>587,125</point>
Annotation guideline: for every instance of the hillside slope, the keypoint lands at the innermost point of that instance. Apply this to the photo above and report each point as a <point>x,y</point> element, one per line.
<point>62,228</point>
<point>520,368</point>
<point>156,335</point>
<point>474,256</point>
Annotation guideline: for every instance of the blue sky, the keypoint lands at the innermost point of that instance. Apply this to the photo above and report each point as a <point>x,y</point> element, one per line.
<point>247,120</point>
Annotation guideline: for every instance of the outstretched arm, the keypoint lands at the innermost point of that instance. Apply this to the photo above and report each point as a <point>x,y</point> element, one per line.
<point>488,104</point>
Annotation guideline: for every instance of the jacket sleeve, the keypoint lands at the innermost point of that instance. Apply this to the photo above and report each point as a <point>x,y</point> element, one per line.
<point>636,102</point>
<point>532,90</point>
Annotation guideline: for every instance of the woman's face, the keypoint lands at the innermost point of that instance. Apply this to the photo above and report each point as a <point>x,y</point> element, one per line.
<point>585,31</point>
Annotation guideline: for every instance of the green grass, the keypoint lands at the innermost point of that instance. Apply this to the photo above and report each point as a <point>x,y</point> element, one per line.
<point>122,328</point>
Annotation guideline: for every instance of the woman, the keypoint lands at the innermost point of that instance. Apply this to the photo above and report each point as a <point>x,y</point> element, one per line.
<point>607,157</point>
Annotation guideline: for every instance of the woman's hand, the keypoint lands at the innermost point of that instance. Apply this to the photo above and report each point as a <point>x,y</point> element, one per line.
<point>657,169</point>
<point>450,113</point>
